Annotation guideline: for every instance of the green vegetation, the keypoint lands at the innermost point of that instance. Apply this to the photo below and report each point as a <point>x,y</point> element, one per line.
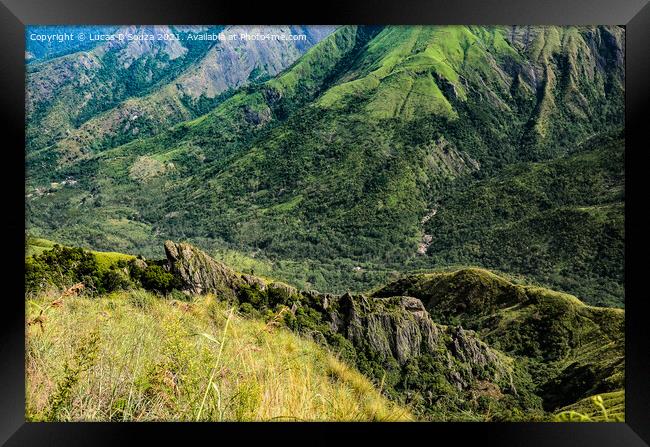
<point>61,267</point>
<point>570,349</point>
<point>324,173</point>
<point>545,351</point>
<point>111,359</point>
<point>608,407</point>
<point>560,222</point>
<point>459,173</point>
<point>427,383</point>
<point>36,246</point>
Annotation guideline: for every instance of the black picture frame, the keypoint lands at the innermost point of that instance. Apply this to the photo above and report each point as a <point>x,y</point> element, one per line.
<point>15,14</point>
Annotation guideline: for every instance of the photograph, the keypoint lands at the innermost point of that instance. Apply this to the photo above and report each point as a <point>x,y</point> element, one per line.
<point>345,223</point>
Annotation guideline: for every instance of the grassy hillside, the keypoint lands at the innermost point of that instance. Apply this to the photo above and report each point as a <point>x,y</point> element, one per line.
<point>105,259</point>
<point>36,246</point>
<point>608,407</point>
<point>458,345</point>
<point>131,356</point>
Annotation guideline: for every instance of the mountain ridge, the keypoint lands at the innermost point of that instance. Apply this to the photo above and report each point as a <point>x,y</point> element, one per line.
<point>422,338</point>
<point>217,68</point>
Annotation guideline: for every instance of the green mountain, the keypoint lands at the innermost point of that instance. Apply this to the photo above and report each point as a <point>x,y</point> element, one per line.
<point>560,222</point>
<point>337,173</point>
<point>570,349</point>
<point>127,89</point>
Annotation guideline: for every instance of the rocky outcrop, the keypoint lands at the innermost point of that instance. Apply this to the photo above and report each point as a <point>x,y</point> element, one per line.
<point>397,327</point>
<point>400,328</point>
<point>390,329</point>
<point>199,273</point>
<point>257,117</point>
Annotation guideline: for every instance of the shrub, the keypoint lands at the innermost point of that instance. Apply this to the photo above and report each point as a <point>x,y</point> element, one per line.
<point>61,267</point>
<point>116,279</point>
<point>154,277</point>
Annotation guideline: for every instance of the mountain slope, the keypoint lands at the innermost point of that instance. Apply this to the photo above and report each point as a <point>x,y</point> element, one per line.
<point>528,352</point>
<point>194,77</point>
<point>573,350</point>
<point>131,356</point>
<point>343,155</point>
<point>66,91</point>
<point>560,222</point>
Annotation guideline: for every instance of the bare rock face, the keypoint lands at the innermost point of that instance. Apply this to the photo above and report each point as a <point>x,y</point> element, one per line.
<point>200,273</point>
<point>400,328</point>
<point>397,327</point>
<point>470,349</point>
<point>282,288</point>
<point>257,117</point>
<point>254,281</point>
<point>476,360</point>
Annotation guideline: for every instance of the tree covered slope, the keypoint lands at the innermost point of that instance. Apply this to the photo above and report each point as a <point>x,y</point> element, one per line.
<point>121,90</point>
<point>560,222</point>
<point>330,170</point>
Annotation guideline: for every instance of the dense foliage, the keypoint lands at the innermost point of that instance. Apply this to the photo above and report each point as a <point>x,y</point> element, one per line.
<point>63,267</point>
<point>550,343</point>
<point>383,150</point>
<point>323,175</point>
<point>560,223</point>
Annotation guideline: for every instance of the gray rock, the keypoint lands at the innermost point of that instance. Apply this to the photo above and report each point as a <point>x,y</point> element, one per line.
<point>200,273</point>
<point>254,281</point>
<point>397,327</point>
<point>401,328</point>
<point>140,263</point>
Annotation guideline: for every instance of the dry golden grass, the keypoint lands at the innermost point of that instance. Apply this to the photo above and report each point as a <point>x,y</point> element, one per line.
<point>134,357</point>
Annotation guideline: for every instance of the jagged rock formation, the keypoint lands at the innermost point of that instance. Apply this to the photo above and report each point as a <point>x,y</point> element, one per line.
<point>400,328</point>
<point>395,329</point>
<point>198,272</point>
<point>469,327</point>
<point>584,344</point>
<point>65,97</point>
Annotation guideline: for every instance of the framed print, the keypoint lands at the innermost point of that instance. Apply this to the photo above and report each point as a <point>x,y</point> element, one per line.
<point>393,220</point>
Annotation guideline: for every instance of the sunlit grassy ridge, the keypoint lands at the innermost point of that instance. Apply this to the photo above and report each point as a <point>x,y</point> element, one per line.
<point>36,246</point>
<point>131,356</point>
<point>555,350</point>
